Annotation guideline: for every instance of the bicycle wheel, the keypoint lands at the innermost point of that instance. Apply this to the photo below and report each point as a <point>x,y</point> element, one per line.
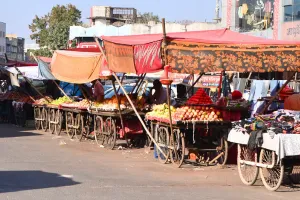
<point>110,133</point>
<point>52,121</point>
<point>248,173</point>
<point>44,121</point>
<point>77,127</point>
<point>177,150</point>
<point>37,115</point>
<point>69,124</point>
<point>163,140</point>
<point>98,130</point>
<point>271,177</point>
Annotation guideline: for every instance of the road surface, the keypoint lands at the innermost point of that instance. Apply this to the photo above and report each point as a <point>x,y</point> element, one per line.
<point>37,165</point>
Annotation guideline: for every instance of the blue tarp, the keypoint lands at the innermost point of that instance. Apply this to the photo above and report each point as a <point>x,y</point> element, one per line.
<point>44,70</point>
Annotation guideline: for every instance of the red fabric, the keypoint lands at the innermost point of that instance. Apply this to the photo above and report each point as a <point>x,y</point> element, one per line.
<point>84,49</point>
<point>18,64</point>
<point>221,36</point>
<point>45,59</point>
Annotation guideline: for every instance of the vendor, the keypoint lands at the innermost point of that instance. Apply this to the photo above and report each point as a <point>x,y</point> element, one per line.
<point>159,96</point>
<point>98,91</point>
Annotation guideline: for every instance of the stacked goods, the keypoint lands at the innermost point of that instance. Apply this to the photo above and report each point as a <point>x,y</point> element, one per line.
<point>61,100</point>
<point>200,98</point>
<point>160,113</point>
<point>43,101</point>
<point>112,103</point>
<point>84,104</point>
<point>197,113</point>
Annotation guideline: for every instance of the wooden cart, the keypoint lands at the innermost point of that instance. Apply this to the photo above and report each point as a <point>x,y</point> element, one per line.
<point>209,149</point>
<point>265,160</point>
<point>40,117</point>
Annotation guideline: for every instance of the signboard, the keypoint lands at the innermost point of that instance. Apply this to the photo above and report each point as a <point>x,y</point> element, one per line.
<point>209,81</point>
<point>290,31</point>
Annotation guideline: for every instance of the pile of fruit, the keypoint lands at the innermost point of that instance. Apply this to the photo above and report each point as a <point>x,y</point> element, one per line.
<point>61,100</point>
<point>43,101</point>
<point>197,113</point>
<point>199,98</point>
<point>160,113</point>
<point>24,99</point>
<point>84,104</point>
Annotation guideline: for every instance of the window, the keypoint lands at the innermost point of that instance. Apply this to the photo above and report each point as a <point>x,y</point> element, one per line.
<point>288,13</point>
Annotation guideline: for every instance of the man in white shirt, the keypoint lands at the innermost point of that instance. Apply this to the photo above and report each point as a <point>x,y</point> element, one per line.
<point>160,94</point>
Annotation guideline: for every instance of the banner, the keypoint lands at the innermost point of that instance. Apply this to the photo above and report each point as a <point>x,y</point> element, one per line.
<point>120,57</point>
<point>147,57</point>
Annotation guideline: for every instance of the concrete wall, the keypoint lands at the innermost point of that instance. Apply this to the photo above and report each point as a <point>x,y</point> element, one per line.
<point>2,38</point>
<point>137,29</point>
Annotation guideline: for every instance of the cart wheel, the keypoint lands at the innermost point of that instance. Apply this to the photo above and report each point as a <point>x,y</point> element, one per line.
<point>69,124</point>
<point>271,177</point>
<point>177,151</point>
<point>77,127</point>
<point>248,173</point>
<point>58,122</point>
<point>222,151</point>
<point>52,121</point>
<point>110,133</point>
<point>83,129</point>
<point>44,121</point>
<point>149,142</point>
<point>163,141</point>
<point>37,115</point>
<point>98,130</point>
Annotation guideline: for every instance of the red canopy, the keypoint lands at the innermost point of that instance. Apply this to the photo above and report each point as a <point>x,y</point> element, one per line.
<point>206,51</point>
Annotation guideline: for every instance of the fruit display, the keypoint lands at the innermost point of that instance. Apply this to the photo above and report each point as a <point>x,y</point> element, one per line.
<point>11,95</point>
<point>160,113</point>
<point>185,113</point>
<point>197,113</point>
<point>43,101</point>
<point>24,99</point>
<point>112,103</point>
<point>199,98</point>
<point>84,104</point>
<point>61,100</point>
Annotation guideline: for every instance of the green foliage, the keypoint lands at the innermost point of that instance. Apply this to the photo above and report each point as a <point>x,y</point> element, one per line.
<point>51,31</point>
<point>148,16</point>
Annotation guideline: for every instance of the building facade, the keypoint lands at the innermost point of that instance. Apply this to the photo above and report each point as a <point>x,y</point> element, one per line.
<point>2,41</point>
<point>15,47</point>
<point>110,15</point>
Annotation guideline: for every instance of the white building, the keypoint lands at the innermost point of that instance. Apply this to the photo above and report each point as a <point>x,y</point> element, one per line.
<point>2,39</point>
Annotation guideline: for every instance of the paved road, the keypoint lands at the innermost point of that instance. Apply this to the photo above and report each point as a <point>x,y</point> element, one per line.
<point>35,165</point>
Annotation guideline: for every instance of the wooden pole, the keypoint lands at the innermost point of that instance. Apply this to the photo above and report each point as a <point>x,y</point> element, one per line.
<point>164,44</point>
<point>277,93</point>
<point>138,116</point>
<point>200,75</point>
<point>121,82</point>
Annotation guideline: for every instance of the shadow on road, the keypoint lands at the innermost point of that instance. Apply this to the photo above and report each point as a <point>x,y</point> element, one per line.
<point>14,132</point>
<point>13,181</point>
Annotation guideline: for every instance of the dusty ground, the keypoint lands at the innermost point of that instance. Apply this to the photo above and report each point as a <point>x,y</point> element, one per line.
<point>36,165</point>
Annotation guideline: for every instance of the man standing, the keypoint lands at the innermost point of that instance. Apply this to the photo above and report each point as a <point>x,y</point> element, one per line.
<point>160,94</point>
<point>98,91</point>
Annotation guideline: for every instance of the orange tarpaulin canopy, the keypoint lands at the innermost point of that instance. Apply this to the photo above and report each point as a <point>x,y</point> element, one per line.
<point>76,67</point>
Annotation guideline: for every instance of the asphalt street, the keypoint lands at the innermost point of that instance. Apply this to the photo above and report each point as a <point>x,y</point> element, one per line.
<point>37,165</point>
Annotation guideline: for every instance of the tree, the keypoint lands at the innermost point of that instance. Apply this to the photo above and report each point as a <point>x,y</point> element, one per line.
<point>51,31</point>
<point>147,17</point>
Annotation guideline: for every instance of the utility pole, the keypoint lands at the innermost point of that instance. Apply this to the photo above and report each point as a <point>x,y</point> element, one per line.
<point>217,12</point>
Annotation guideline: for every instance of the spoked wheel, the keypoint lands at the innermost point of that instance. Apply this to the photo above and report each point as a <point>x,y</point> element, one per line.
<point>162,139</point>
<point>69,124</point>
<point>177,147</point>
<point>271,177</point>
<point>149,142</point>
<point>37,116</point>
<point>110,133</point>
<point>77,127</point>
<point>52,121</point>
<point>98,130</point>
<point>44,121</point>
<point>222,151</point>
<point>248,173</point>
<point>58,122</point>
<point>83,128</point>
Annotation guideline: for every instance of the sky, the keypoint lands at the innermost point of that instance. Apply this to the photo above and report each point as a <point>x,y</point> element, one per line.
<point>18,14</point>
